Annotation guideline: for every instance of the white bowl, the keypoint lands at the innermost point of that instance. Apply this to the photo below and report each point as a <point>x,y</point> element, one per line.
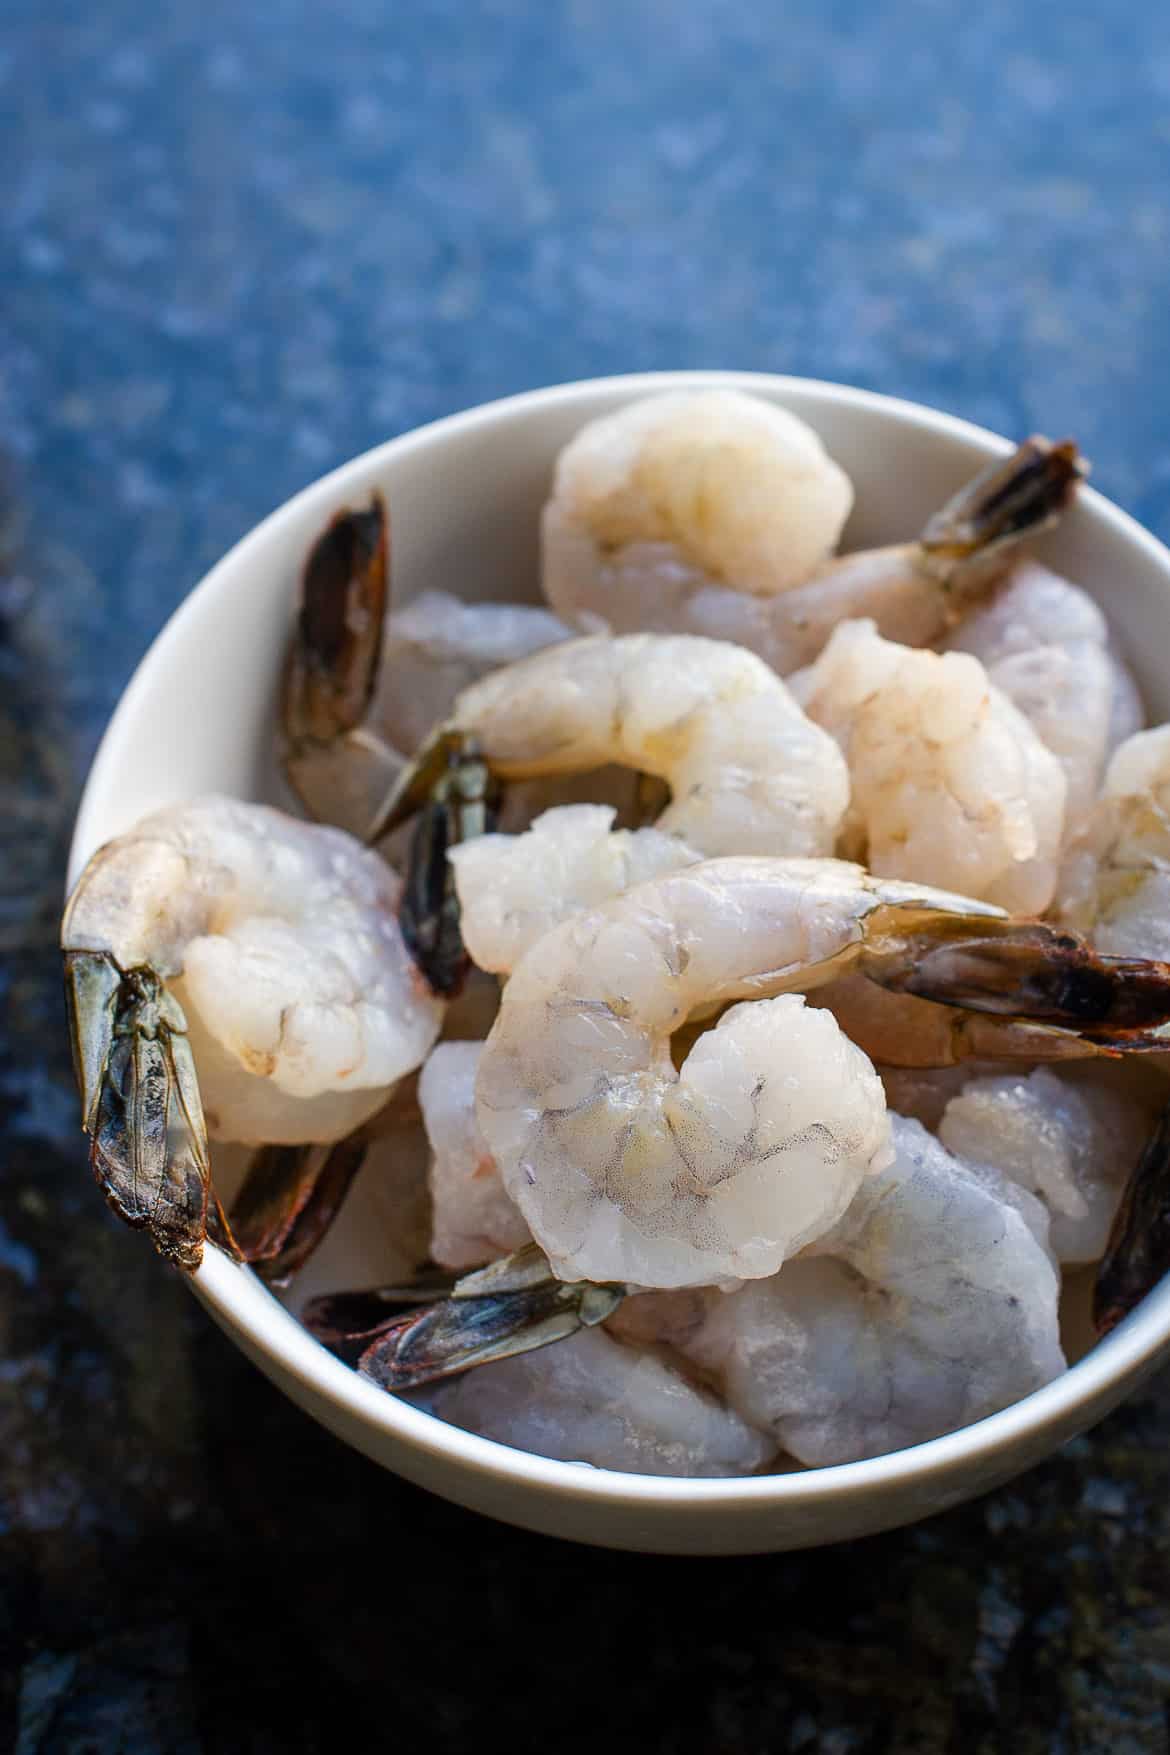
<point>465,495</point>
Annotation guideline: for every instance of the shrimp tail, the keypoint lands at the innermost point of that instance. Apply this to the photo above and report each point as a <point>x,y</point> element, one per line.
<point>1138,1253</point>
<point>462,803</point>
<point>1019,969</point>
<point>963,545</point>
<point>140,1103</point>
<point>288,1200</point>
<point>332,669</point>
<point>514,1306</point>
<point>333,666</point>
<point>345,1321</point>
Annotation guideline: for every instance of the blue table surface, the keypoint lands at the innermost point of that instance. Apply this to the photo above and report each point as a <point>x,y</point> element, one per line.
<point>239,244</point>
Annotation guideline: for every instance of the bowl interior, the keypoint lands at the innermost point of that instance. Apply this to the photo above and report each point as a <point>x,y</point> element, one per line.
<point>465,495</point>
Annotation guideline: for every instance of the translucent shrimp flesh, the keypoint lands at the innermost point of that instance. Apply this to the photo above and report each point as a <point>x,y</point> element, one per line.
<point>724,482</point>
<point>628,1170</point>
<point>512,889</point>
<point>640,571</point>
<point>1045,644</point>
<point>474,1219</point>
<point>1071,1136</point>
<point>950,784</point>
<point>590,1399</point>
<point>747,770</point>
<point>258,952</point>
<point>436,646</point>
<point>1115,883</point>
<point>365,682</point>
<point>932,1304</point>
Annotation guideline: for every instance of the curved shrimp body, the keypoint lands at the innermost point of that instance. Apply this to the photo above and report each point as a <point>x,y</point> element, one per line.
<point>747,770</point>
<point>590,1399</point>
<point>512,889</point>
<point>283,963</point>
<point>1115,884</point>
<point>1045,645</point>
<point>932,1304</point>
<point>645,572</point>
<point>627,1170</point>
<point>1071,1137</point>
<point>950,783</point>
<point>727,482</point>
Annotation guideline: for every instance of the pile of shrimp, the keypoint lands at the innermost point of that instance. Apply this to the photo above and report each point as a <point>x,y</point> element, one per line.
<point>713,1023</point>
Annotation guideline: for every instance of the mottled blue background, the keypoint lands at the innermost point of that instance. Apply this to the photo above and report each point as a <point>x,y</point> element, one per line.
<point>240,243</point>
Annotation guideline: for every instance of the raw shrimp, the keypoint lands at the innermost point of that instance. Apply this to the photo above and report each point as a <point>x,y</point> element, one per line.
<point>1070,1136</point>
<point>903,1032</point>
<point>438,645</point>
<point>1115,884</point>
<point>261,951</point>
<point>1046,646</point>
<point>474,1219</point>
<point>512,889</point>
<point>365,683</point>
<point>590,1399</point>
<point>951,785</point>
<point>747,771</point>
<point>644,571</point>
<point>627,1170</point>
<point>728,483</point>
<point>932,1304</point>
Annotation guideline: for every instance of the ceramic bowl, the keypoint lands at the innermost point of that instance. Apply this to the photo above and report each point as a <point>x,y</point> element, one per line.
<point>465,495</point>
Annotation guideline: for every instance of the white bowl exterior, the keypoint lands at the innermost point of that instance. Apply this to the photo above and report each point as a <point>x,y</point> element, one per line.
<point>465,495</point>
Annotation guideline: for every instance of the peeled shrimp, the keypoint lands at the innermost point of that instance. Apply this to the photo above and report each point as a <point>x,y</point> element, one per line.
<point>1045,645</point>
<point>438,645</point>
<point>627,1170</point>
<point>1070,1136</point>
<point>285,977</point>
<point>932,1304</point>
<point>951,785</point>
<point>590,1399</point>
<point>658,521</point>
<point>474,1219</point>
<point>1115,884</point>
<point>512,889</point>
<point>724,482</point>
<point>747,771</point>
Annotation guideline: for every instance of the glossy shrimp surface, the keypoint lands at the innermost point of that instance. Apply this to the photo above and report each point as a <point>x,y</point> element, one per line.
<point>748,772</point>
<point>932,1304</point>
<point>279,941</point>
<point>1115,884</point>
<point>590,1399</point>
<point>1045,645</point>
<point>627,1170</point>
<point>950,783</point>
<point>438,645</point>
<point>1070,1135</point>
<point>513,889</point>
<point>635,573</point>
<point>715,480</point>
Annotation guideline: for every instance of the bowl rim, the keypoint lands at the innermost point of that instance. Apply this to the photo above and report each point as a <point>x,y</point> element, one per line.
<point>243,1304</point>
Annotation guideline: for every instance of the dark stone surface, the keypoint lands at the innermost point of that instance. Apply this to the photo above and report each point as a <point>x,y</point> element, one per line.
<point>239,244</point>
